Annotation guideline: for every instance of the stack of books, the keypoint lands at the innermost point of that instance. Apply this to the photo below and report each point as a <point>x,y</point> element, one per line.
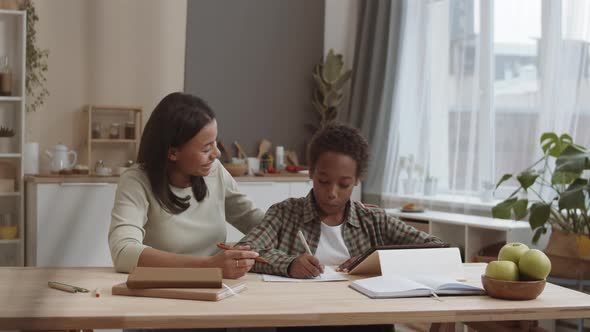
<point>205,284</point>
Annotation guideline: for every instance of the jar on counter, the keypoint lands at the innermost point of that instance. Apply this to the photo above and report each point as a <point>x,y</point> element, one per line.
<point>129,130</point>
<point>114,132</point>
<point>96,130</point>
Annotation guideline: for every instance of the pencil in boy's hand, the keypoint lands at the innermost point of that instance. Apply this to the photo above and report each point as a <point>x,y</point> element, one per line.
<point>226,247</point>
<point>305,245</point>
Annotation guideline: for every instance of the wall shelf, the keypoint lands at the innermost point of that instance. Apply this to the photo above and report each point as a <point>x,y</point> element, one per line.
<point>129,113</point>
<point>11,98</point>
<point>10,155</point>
<point>15,241</point>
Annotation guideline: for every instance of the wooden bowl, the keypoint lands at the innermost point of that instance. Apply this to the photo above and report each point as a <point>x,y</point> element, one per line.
<point>236,169</point>
<point>513,290</point>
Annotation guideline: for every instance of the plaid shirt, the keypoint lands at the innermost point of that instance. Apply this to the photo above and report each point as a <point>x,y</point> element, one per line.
<point>275,238</point>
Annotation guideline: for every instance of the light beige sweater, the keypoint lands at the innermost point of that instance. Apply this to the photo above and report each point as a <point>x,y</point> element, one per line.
<point>138,221</point>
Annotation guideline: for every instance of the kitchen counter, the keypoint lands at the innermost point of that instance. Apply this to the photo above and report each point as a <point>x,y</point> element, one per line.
<point>57,178</point>
<point>74,178</point>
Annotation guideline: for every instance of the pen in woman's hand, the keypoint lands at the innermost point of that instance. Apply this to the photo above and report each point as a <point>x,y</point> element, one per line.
<point>226,247</point>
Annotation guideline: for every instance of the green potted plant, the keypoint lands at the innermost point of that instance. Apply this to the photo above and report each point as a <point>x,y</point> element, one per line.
<point>560,201</point>
<point>329,77</point>
<point>6,135</point>
<point>36,61</point>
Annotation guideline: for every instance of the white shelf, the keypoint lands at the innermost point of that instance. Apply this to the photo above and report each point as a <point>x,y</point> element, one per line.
<point>13,36</point>
<point>15,241</point>
<point>10,155</point>
<point>12,12</point>
<point>11,98</point>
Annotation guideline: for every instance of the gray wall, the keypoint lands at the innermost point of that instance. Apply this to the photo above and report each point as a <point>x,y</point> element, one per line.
<point>252,62</point>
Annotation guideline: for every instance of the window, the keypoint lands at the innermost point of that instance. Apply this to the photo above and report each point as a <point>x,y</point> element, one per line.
<point>513,70</point>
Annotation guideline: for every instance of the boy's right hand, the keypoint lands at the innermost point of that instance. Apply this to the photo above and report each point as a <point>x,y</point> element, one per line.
<point>305,267</point>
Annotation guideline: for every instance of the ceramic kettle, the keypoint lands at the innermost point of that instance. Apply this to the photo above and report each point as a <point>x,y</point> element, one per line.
<point>60,158</point>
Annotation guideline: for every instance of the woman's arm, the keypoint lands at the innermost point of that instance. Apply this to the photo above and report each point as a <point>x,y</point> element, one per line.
<point>235,263</point>
<point>239,209</point>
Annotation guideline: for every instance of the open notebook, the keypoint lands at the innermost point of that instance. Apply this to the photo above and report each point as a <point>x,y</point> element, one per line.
<point>392,286</point>
<point>418,272</point>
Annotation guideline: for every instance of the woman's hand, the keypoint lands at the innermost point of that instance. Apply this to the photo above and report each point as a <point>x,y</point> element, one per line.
<point>234,263</point>
<point>305,267</point>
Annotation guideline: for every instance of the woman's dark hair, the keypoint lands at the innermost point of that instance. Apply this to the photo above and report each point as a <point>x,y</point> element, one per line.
<point>176,120</point>
<point>341,139</point>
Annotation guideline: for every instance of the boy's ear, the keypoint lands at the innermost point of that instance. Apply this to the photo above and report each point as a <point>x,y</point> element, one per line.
<point>173,154</point>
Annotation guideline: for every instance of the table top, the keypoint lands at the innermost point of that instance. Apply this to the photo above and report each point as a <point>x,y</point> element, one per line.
<point>27,303</point>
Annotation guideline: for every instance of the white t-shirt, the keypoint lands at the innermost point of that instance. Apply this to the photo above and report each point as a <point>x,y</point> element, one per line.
<point>331,249</point>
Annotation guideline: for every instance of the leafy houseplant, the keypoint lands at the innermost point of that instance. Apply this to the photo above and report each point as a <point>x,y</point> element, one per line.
<point>5,139</point>
<point>329,77</point>
<point>6,132</point>
<point>36,61</point>
<point>567,208</point>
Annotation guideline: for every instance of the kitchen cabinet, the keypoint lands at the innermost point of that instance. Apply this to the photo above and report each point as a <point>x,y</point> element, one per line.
<point>68,223</point>
<point>68,219</point>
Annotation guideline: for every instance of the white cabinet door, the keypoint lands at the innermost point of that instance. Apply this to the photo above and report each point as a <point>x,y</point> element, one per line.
<point>265,194</point>
<point>300,189</point>
<point>71,223</point>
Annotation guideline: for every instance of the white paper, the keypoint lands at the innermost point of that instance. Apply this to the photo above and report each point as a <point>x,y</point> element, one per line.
<point>329,275</point>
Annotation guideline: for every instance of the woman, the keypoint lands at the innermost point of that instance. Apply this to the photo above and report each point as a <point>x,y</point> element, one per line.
<point>170,209</point>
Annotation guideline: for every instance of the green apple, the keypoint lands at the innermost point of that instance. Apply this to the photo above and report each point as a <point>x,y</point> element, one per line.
<point>512,252</point>
<point>534,264</point>
<point>503,270</point>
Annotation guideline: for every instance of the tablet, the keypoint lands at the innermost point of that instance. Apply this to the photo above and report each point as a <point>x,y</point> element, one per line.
<point>361,258</point>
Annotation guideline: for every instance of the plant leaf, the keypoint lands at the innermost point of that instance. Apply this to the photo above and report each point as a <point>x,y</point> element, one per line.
<point>342,80</point>
<point>573,159</point>
<point>540,231</point>
<point>332,67</point>
<point>503,210</point>
<point>511,207</point>
<point>520,208</point>
<point>539,214</point>
<point>573,197</point>
<point>560,177</point>
<point>527,179</point>
<point>504,178</point>
<point>554,145</point>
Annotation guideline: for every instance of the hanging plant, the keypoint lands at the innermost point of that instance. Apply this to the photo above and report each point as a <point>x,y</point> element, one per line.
<point>36,62</point>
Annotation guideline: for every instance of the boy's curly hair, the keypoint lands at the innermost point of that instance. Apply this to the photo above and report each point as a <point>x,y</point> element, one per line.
<point>341,139</point>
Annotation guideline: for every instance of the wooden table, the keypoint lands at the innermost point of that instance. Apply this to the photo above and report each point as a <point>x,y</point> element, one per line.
<point>27,303</point>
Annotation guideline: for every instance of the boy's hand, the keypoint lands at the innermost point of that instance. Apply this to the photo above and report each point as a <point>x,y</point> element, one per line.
<point>305,267</point>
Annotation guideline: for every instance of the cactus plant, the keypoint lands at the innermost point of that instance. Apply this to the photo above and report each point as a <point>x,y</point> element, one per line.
<point>6,132</point>
<point>330,79</point>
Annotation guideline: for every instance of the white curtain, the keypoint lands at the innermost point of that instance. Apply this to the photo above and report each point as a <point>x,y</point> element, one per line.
<point>476,84</point>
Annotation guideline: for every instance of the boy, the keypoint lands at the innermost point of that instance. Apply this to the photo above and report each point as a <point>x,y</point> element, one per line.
<point>335,227</point>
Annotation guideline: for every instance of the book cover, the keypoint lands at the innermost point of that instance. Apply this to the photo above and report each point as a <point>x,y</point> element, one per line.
<point>166,277</point>
<point>201,294</point>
